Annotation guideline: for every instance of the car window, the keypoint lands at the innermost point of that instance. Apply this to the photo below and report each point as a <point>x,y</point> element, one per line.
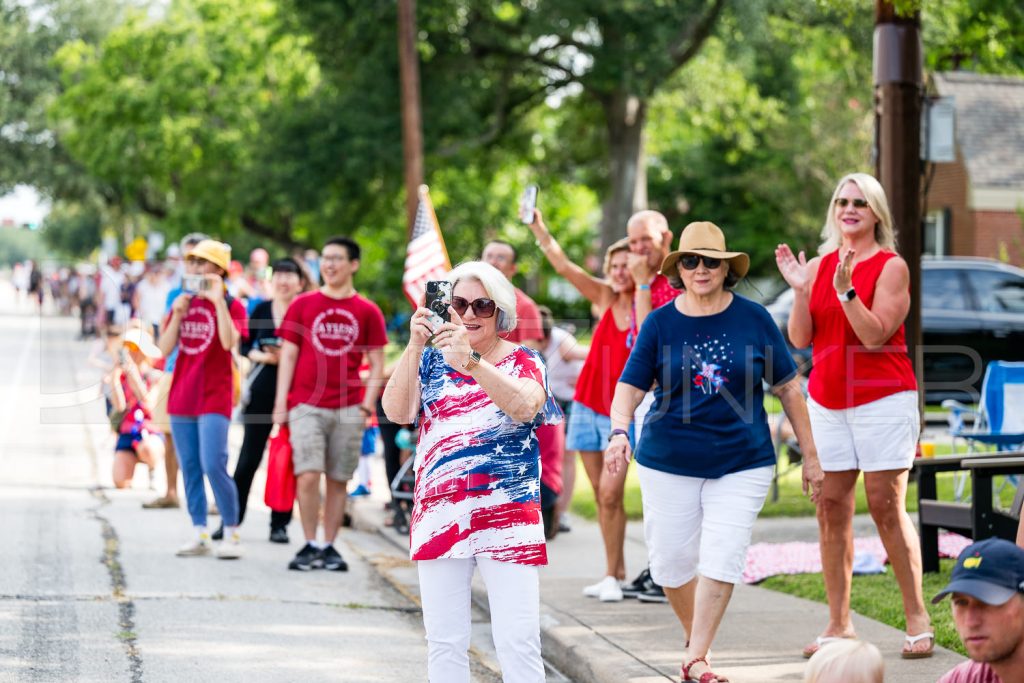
<point>998,292</point>
<point>942,288</point>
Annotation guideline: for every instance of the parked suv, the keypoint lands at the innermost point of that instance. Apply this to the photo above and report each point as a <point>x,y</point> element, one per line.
<point>972,312</point>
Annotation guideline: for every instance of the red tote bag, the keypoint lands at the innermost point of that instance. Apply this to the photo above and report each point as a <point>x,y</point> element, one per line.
<point>280,493</point>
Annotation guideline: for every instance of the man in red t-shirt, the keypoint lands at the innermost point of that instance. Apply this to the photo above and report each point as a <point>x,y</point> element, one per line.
<point>321,397</point>
<point>650,240</point>
<point>987,589</point>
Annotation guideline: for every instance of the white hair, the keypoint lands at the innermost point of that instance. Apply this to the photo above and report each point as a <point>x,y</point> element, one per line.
<point>495,284</point>
<point>845,661</point>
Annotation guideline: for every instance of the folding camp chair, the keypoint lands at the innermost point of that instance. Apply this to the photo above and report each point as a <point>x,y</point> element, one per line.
<point>999,419</point>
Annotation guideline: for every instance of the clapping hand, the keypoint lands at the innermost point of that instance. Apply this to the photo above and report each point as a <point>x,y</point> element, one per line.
<point>843,279</point>
<point>793,269</point>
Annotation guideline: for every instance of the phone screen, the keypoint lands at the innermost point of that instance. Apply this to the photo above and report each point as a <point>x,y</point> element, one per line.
<point>439,297</point>
<point>527,203</point>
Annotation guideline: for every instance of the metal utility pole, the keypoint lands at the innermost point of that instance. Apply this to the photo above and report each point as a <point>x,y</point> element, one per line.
<point>898,100</point>
<point>412,125</point>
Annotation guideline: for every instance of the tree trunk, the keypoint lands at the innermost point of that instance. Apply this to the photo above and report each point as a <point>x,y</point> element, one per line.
<point>625,115</point>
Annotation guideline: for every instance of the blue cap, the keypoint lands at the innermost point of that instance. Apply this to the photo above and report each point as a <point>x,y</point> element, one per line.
<point>991,571</point>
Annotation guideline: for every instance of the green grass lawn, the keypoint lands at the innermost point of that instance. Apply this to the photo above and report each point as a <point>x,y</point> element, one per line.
<point>877,597</point>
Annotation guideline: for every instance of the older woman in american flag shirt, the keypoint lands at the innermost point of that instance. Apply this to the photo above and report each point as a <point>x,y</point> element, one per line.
<point>479,399</point>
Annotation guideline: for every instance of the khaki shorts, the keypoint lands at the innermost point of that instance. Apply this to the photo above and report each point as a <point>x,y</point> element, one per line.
<point>326,440</point>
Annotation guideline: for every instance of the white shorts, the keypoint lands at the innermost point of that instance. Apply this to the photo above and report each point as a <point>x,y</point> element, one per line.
<point>695,525</point>
<point>875,436</point>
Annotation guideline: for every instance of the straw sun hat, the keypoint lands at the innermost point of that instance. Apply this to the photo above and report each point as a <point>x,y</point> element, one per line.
<point>706,239</point>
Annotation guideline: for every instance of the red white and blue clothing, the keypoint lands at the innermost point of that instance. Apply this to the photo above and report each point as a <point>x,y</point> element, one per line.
<point>478,471</point>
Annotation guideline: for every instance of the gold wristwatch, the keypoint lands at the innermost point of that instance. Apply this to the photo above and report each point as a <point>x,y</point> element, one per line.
<point>474,360</point>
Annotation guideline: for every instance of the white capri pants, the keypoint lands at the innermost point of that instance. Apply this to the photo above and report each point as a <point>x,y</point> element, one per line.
<point>513,593</point>
<point>703,526</point>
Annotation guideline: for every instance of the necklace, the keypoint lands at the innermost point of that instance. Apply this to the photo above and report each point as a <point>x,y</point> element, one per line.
<point>491,348</point>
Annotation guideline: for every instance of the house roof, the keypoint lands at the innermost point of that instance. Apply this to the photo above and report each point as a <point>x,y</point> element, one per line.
<point>989,125</point>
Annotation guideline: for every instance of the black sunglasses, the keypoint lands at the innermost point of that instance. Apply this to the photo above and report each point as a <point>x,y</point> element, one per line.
<point>482,308</point>
<point>843,202</point>
<point>690,261</point>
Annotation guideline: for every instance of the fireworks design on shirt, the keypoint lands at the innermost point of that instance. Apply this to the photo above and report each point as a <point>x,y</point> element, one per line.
<point>707,360</point>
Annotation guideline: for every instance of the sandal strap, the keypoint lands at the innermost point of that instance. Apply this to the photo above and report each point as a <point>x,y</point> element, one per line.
<point>913,640</point>
<point>689,665</point>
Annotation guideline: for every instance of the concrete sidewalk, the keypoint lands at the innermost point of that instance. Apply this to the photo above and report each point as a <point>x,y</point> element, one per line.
<point>760,639</point>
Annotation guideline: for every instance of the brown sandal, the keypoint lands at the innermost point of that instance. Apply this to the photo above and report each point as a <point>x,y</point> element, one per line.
<point>706,677</point>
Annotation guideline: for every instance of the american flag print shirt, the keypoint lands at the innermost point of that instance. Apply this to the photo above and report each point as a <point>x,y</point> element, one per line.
<point>478,471</point>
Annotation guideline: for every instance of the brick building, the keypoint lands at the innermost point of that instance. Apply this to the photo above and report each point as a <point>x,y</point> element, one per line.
<point>975,204</point>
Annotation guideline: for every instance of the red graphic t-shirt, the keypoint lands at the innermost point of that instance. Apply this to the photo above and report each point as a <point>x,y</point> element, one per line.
<point>332,336</point>
<point>202,381</point>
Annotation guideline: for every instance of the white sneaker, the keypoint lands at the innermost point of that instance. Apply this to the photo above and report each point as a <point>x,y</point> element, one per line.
<point>602,587</point>
<point>230,548</point>
<point>611,590</point>
<point>195,548</point>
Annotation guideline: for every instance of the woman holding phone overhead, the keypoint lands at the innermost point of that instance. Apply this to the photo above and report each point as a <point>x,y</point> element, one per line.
<point>589,421</point>
<point>479,399</point>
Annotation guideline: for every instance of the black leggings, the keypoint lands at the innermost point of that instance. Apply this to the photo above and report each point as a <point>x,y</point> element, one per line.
<point>249,458</point>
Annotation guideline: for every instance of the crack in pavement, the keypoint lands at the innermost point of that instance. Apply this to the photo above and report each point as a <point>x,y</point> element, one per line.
<point>111,558</point>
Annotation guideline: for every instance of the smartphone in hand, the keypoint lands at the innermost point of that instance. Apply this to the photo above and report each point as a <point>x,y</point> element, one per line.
<point>527,203</point>
<point>439,298</point>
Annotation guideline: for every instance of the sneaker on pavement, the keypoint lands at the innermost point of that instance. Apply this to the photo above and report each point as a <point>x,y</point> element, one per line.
<point>332,560</point>
<point>230,548</point>
<point>279,535</point>
<point>162,503</point>
<point>307,558</point>
<point>653,594</point>
<point>218,535</point>
<point>611,591</point>
<point>638,585</point>
<point>195,548</point>
<point>360,491</point>
<point>563,524</point>
<point>609,586</point>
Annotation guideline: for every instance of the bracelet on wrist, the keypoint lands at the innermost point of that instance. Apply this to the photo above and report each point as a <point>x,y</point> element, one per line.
<point>643,288</point>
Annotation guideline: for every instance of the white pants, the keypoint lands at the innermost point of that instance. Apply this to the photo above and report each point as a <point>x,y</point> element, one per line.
<point>707,522</point>
<point>513,592</point>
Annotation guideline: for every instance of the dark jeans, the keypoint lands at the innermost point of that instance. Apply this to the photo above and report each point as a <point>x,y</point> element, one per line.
<point>548,498</point>
<point>254,443</point>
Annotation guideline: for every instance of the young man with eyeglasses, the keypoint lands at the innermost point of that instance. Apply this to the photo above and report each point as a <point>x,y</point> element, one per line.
<point>321,397</point>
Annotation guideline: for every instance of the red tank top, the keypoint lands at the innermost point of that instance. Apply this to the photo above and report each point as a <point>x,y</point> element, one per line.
<point>846,373</point>
<point>608,355</point>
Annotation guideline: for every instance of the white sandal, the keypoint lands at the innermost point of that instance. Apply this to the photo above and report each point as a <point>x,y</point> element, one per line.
<point>913,640</point>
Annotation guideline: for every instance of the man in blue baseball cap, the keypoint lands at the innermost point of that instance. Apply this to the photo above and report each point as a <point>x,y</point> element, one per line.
<point>987,589</point>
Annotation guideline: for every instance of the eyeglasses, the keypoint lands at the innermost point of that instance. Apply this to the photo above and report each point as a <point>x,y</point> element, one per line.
<point>690,261</point>
<point>858,203</point>
<point>482,308</point>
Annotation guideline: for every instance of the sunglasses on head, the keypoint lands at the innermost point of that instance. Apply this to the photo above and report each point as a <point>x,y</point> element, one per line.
<point>482,308</point>
<point>691,261</point>
<point>858,203</point>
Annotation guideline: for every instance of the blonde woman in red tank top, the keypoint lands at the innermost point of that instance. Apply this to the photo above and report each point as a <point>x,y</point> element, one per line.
<point>850,305</point>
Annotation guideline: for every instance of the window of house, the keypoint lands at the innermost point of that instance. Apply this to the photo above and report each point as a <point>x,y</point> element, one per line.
<point>936,233</point>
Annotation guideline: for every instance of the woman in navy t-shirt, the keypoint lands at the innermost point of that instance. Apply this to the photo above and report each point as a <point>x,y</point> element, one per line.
<point>705,458</point>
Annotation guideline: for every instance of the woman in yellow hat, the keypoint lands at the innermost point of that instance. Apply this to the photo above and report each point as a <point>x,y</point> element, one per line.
<point>205,325</point>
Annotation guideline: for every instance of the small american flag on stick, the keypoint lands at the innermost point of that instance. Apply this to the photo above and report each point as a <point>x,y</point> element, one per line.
<point>426,257</point>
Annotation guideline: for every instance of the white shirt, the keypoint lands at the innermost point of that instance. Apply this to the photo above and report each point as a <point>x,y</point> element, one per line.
<point>562,374</point>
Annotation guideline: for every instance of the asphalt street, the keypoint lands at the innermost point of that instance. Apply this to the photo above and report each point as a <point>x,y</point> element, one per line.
<point>90,588</point>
